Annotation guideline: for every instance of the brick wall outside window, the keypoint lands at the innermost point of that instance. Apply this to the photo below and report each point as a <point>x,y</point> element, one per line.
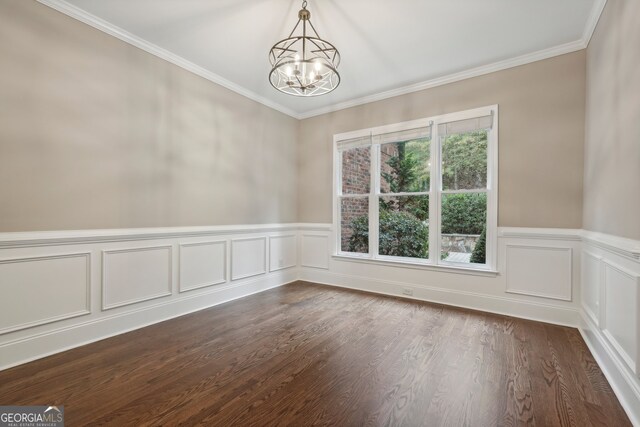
<point>356,169</point>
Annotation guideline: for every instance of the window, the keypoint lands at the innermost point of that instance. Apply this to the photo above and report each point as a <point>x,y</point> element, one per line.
<point>420,192</point>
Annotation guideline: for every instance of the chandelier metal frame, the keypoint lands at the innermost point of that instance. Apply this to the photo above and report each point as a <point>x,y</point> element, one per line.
<point>304,64</point>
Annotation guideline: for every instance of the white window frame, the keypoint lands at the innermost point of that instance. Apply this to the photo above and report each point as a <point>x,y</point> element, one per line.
<point>435,194</point>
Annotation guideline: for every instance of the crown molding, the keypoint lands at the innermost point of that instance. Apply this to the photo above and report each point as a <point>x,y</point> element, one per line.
<point>104,26</point>
<point>582,43</point>
<point>592,22</point>
<point>451,78</point>
<point>100,24</point>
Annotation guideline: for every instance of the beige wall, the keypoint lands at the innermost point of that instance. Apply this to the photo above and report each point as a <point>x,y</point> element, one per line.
<point>612,149</point>
<point>95,133</point>
<point>541,137</point>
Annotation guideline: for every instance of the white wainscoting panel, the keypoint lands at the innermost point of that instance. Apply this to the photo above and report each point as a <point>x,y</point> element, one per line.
<point>536,268</point>
<point>591,285</point>
<point>620,323</point>
<point>134,275</point>
<point>282,252</point>
<point>479,290</point>
<point>315,250</point>
<point>540,271</point>
<point>611,276</point>
<point>43,289</point>
<point>248,257</point>
<point>202,264</point>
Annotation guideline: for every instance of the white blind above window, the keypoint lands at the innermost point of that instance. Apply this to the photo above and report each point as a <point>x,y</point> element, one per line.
<point>464,126</point>
<point>346,144</point>
<point>405,135</point>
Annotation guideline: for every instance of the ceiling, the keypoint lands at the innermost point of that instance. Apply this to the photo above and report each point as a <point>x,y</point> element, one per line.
<point>387,47</point>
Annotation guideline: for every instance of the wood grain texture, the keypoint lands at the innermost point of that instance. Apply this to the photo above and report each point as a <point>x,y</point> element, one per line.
<point>306,354</point>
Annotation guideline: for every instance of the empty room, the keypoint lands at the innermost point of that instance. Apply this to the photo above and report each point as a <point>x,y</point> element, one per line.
<point>320,212</point>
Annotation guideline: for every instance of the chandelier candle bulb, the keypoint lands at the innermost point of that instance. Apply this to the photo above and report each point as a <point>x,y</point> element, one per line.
<point>304,47</point>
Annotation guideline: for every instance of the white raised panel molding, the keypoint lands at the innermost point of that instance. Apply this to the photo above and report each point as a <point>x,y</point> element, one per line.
<point>620,319</point>
<point>541,271</point>
<point>614,336</point>
<point>483,301</point>
<point>41,335</point>
<point>16,350</point>
<point>202,264</point>
<point>315,251</point>
<point>624,383</point>
<point>43,289</point>
<point>135,275</point>
<point>591,285</point>
<point>282,252</point>
<point>248,257</point>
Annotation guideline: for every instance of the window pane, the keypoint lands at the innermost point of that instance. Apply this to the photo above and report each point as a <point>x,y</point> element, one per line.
<point>404,166</point>
<point>464,161</point>
<point>356,170</point>
<point>464,224</point>
<point>354,224</point>
<point>404,226</point>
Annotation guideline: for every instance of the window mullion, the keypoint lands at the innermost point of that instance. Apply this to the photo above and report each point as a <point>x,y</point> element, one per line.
<point>374,206</point>
<point>337,208</point>
<point>434,199</point>
<point>492,194</point>
<point>339,174</point>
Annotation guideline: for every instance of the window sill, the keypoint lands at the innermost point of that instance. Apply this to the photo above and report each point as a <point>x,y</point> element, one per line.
<point>485,272</point>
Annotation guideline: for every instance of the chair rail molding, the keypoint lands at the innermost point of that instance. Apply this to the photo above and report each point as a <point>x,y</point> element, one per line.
<point>619,245</point>
<point>67,237</point>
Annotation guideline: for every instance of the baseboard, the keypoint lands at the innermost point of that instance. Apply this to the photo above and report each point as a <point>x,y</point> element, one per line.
<point>624,384</point>
<point>41,345</point>
<point>538,311</point>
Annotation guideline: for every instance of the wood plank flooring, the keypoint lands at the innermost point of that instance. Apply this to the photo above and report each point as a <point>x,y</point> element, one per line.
<point>307,354</point>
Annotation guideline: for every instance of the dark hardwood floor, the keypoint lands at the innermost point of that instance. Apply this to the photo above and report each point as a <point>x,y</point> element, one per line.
<point>307,354</point>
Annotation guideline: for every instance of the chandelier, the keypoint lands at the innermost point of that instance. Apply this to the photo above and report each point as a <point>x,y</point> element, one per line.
<point>303,64</point>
